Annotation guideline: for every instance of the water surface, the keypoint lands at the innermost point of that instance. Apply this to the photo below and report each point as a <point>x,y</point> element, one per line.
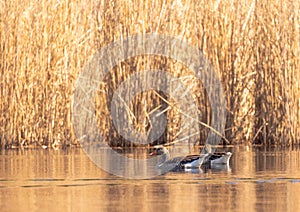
<point>66,180</point>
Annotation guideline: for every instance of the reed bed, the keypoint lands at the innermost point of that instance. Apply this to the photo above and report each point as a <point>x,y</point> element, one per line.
<point>254,46</point>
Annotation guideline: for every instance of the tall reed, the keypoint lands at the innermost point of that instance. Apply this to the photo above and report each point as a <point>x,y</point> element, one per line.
<point>253,45</point>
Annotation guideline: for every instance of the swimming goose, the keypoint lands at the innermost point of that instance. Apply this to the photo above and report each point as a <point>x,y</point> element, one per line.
<point>187,162</point>
<point>216,157</point>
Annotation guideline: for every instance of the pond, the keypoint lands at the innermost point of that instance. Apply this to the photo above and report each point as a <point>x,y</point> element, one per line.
<point>67,180</point>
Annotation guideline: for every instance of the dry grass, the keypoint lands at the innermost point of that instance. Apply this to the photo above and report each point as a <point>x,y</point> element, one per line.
<point>253,45</point>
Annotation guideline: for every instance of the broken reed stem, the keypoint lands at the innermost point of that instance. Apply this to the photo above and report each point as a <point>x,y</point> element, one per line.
<point>192,118</point>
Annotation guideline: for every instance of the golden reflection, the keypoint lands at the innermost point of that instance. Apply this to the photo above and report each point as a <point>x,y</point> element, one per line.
<point>258,179</point>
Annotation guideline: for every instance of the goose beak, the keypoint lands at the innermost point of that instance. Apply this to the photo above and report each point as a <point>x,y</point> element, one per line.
<point>153,153</point>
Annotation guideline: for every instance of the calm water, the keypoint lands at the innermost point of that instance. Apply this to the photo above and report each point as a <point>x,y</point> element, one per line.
<point>66,180</point>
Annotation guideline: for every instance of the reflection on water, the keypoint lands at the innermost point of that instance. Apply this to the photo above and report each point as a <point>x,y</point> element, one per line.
<point>257,179</point>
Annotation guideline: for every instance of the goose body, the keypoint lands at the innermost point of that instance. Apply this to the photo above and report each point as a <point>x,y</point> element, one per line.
<point>193,161</point>
<point>219,158</point>
<point>187,162</point>
<point>215,158</point>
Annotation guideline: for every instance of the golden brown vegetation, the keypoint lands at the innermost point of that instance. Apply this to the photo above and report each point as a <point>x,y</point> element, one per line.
<point>253,45</point>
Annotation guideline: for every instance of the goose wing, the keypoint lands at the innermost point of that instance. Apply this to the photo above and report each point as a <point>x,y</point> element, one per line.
<point>190,158</point>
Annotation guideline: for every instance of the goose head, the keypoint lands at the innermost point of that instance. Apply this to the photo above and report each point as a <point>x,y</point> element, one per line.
<point>207,149</point>
<point>161,150</point>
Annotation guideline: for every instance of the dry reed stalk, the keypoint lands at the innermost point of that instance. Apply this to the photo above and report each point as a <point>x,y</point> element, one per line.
<point>253,45</point>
